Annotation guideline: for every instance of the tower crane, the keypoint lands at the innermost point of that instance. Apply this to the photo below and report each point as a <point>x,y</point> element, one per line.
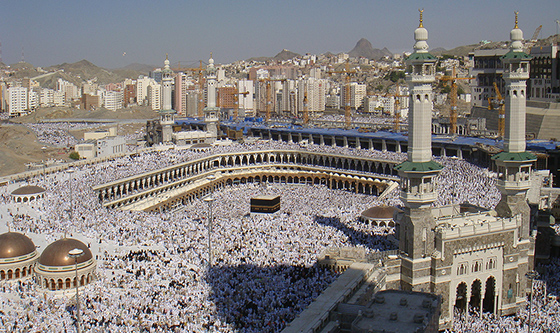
<point>536,34</point>
<point>501,110</point>
<point>305,108</point>
<point>236,100</point>
<point>397,97</point>
<point>269,95</point>
<point>453,98</point>
<point>347,111</point>
<point>200,70</point>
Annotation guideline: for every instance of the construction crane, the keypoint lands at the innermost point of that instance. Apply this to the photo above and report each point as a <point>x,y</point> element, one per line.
<point>305,109</point>
<point>200,83</point>
<point>453,98</point>
<point>269,95</point>
<point>397,97</point>
<point>501,110</point>
<point>347,111</point>
<point>236,100</point>
<point>536,34</point>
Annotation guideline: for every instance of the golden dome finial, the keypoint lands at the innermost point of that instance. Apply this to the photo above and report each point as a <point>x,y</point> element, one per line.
<point>421,18</point>
<point>166,57</point>
<point>516,13</point>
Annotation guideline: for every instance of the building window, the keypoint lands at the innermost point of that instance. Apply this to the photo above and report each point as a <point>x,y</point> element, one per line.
<point>462,268</point>
<point>477,266</point>
<point>491,264</point>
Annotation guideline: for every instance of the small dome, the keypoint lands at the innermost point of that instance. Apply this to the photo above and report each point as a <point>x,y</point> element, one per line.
<point>421,34</point>
<point>516,34</point>
<point>56,254</point>
<point>29,189</point>
<point>14,244</point>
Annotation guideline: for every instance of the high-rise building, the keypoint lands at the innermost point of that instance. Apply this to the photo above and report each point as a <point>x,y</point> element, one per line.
<point>246,90</point>
<point>545,74</point>
<point>487,70</point>
<point>154,95</point>
<point>184,86</point>
<point>142,84</point>
<point>46,98</point>
<point>226,97</point>
<point>70,90</point>
<point>315,90</point>
<point>113,100</point>
<point>17,101</point>
<point>129,94</point>
<point>357,94</point>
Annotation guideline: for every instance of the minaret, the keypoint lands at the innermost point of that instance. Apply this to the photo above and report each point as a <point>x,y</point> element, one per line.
<point>167,114</point>
<point>514,163</point>
<point>211,112</point>
<point>418,190</point>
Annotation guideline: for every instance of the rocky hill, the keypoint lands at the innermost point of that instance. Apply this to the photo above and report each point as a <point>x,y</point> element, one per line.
<point>285,55</point>
<point>133,70</point>
<point>78,72</point>
<point>364,49</point>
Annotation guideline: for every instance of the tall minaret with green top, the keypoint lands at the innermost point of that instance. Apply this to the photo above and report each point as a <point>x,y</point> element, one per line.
<point>418,190</point>
<point>514,163</point>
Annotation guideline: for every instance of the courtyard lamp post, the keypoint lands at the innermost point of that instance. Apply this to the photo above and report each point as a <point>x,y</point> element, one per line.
<point>76,253</point>
<point>531,275</point>
<point>209,199</point>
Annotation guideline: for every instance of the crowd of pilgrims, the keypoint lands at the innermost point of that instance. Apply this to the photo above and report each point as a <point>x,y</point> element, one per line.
<point>157,277</point>
<point>57,134</point>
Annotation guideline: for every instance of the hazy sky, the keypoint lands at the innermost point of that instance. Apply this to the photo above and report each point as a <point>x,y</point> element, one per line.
<point>52,32</point>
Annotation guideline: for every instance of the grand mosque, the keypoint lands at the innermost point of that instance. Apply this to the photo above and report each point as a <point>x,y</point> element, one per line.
<point>466,255</point>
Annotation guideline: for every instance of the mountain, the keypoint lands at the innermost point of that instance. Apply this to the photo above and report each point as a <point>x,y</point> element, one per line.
<point>282,56</point>
<point>133,70</point>
<point>137,67</point>
<point>364,49</point>
<point>285,55</point>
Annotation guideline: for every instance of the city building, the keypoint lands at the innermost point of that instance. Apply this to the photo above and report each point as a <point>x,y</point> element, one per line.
<point>142,84</point>
<point>69,90</point>
<point>129,95</point>
<point>315,90</point>
<point>544,83</point>
<point>357,94</point>
<point>154,95</point>
<point>17,101</point>
<point>183,85</point>
<point>110,146</point>
<point>113,100</point>
<point>90,102</point>
<point>487,69</point>
<point>246,91</point>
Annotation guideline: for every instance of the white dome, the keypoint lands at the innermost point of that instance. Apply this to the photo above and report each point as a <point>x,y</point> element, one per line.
<point>516,36</point>
<point>421,36</point>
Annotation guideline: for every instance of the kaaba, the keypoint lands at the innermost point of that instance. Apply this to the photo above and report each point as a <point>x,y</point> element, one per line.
<point>265,204</point>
